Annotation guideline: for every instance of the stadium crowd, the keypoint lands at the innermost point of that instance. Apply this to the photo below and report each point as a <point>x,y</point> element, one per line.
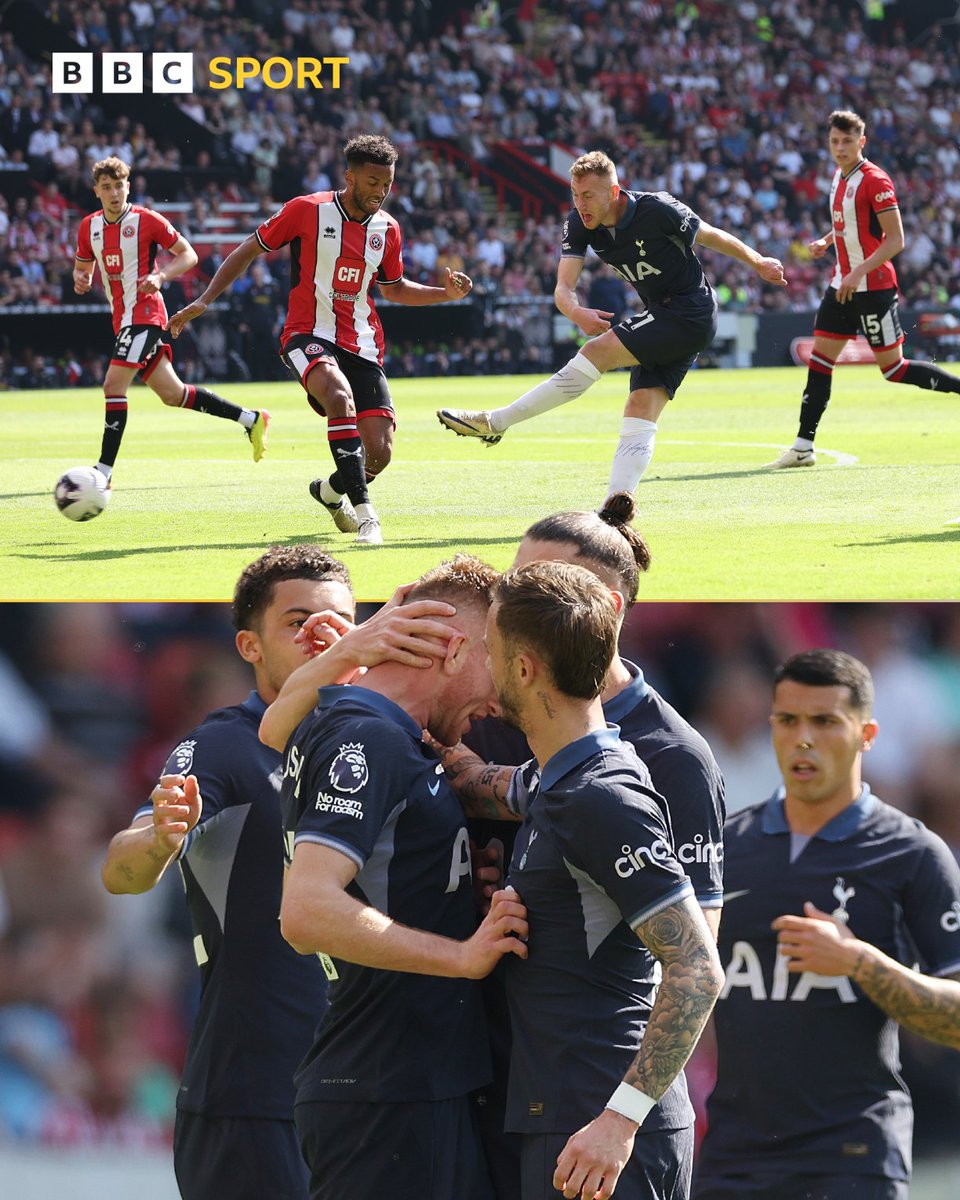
<point>96,997</point>
<point>722,104</point>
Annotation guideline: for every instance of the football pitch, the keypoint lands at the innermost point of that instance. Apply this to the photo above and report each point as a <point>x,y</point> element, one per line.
<point>190,509</point>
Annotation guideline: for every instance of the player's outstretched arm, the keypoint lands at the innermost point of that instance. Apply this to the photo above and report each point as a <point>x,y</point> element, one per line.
<point>927,1006</point>
<point>138,856</point>
<point>232,267</point>
<point>412,634</point>
<point>592,1160</point>
<point>770,270</point>
<point>481,787</point>
<point>317,915</point>
<point>456,285</point>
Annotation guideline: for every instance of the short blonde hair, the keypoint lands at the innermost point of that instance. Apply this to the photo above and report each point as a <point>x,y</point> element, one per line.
<point>594,163</point>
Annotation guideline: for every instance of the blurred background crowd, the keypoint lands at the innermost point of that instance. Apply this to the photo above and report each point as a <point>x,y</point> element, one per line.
<point>97,993</point>
<point>721,103</point>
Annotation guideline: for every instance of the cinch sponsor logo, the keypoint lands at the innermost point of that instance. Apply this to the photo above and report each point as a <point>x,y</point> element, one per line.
<point>633,860</point>
<point>173,73</point>
<point>700,851</point>
<point>883,196</point>
<point>950,921</point>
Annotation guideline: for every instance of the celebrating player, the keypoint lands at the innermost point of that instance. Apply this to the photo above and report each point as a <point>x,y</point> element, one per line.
<point>122,240</point>
<point>682,768</point>
<point>380,885</point>
<point>341,244</point>
<point>648,239</point>
<point>830,896</point>
<point>259,1002</point>
<point>866,233</point>
<point>597,1040</point>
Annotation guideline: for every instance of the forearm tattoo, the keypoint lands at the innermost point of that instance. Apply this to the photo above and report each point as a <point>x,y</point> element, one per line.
<point>924,1005</point>
<point>481,787</point>
<point>692,978</point>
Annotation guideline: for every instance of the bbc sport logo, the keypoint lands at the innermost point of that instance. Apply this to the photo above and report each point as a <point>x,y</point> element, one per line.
<point>173,73</point>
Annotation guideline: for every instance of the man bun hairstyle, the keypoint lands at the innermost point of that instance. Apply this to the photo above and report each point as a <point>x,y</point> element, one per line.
<point>605,538</point>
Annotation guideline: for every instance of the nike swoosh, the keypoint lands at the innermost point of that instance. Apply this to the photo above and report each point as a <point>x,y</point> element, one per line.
<point>434,787</point>
<point>728,896</point>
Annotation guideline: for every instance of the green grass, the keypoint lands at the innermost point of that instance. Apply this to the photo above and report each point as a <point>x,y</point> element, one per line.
<point>190,508</point>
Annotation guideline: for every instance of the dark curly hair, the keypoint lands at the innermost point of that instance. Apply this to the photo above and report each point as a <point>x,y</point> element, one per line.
<point>254,590</point>
<point>370,148</point>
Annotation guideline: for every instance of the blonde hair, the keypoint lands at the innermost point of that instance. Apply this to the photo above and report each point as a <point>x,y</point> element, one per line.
<point>594,163</point>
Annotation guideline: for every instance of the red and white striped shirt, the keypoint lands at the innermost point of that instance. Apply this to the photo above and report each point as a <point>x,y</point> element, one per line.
<point>855,202</point>
<point>125,250</point>
<point>334,262</point>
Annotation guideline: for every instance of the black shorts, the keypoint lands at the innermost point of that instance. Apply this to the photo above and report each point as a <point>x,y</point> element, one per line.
<point>665,340</point>
<point>876,315</point>
<point>141,346</point>
<point>659,1168</point>
<point>371,394</point>
<point>427,1149</point>
<point>801,1187</point>
<point>239,1158</point>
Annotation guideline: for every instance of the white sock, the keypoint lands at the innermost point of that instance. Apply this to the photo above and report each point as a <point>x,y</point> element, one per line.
<point>569,382</point>
<point>802,444</point>
<point>105,470</point>
<point>366,512</point>
<point>632,454</point>
<point>328,494</point>
<point>247,417</point>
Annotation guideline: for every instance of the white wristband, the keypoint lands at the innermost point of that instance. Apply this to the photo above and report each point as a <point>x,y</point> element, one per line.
<point>631,1103</point>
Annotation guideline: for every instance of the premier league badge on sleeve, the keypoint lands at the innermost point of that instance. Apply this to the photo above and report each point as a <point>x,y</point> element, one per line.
<point>348,771</point>
<point>181,760</point>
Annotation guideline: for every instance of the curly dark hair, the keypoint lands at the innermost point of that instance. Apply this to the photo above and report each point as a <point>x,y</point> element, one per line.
<point>254,590</point>
<point>605,538</point>
<point>370,148</point>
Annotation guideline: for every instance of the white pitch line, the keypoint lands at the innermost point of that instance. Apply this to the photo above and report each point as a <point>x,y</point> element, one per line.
<point>842,459</point>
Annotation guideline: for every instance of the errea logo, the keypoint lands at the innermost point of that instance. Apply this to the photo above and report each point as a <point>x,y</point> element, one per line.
<point>635,860</point>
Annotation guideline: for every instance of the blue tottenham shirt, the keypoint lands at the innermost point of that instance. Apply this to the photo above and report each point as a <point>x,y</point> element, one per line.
<point>808,1073</point>
<point>260,1001</point>
<point>651,249</point>
<point>593,861</point>
<point>684,773</point>
<point>358,778</point>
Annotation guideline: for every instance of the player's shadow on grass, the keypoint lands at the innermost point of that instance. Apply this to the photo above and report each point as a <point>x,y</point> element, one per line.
<point>255,547</point>
<point>949,534</point>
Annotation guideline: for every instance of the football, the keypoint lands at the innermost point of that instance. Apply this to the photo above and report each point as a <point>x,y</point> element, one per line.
<point>82,493</point>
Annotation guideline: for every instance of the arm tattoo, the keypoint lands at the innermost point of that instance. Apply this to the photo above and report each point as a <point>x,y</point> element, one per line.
<point>481,787</point>
<point>692,977</point>
<point>926,1006</point>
